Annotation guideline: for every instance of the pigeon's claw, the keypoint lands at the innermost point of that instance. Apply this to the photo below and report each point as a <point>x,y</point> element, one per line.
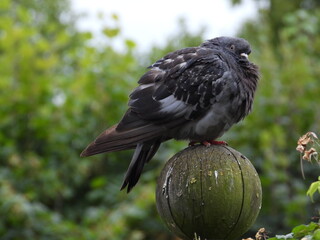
<point>214,142</point>
<point>208,143</point>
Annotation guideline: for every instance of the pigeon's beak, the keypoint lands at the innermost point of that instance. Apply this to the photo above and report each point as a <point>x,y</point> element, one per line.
<point>244,55</point>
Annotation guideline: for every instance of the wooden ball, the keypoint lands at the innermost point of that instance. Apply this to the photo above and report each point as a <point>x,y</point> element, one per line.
<point>212,192</point>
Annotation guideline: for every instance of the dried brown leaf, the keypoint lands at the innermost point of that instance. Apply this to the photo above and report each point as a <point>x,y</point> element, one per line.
<point>300,148</point>
<point>308,154</point>
<point>312,134</point>
<point>261,234</point>
<point>304,140</point>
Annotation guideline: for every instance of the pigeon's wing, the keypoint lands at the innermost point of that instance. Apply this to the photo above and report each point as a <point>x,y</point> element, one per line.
<point>178,88</point>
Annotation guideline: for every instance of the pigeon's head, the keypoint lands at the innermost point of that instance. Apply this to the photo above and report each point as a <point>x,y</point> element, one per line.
<point>237,46</point>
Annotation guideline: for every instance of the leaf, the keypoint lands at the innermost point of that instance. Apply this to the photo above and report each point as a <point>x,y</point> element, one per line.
<point>316,235</point>
<point>111,32</point>
<point>313,188</point>
<point>130,43</point>
<point>115,16</point>
<point>236,2</point>
<point>303,230</point>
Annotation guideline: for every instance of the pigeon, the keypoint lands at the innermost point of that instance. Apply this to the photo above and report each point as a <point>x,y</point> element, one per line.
<point>195,94</point>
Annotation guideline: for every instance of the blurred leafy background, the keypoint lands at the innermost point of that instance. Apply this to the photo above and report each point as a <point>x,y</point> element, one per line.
<point>59,91</point>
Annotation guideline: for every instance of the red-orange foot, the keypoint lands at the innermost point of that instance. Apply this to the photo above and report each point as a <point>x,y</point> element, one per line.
<point>209,143</point>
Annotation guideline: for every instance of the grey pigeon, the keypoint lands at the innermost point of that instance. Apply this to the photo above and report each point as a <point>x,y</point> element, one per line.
<point>195,93</point>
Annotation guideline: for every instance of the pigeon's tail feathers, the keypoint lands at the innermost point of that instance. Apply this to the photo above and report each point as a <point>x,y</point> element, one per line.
<point>143,153</point>
<point>113,140</point>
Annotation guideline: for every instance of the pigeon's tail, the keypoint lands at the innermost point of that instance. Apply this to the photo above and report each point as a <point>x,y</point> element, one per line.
<point>143,153</point>
<point>108,141</point>
<point>144,138</point>
<point>113,139</point>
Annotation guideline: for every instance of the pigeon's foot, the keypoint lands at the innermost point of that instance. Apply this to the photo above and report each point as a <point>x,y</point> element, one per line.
<point>214,142</point>
<point>208,143</point>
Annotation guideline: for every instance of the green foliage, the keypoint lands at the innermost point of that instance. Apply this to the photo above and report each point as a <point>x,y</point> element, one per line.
<point>309,231</point>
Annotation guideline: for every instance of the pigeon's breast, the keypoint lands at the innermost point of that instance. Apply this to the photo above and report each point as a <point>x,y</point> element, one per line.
<point>214,123</point>
<point>211,126</point>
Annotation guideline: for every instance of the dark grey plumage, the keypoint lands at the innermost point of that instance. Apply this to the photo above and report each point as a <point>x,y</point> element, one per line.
<point>195,93</point>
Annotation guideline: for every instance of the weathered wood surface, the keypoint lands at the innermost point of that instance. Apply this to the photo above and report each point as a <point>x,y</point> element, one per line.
<point>213,191</point>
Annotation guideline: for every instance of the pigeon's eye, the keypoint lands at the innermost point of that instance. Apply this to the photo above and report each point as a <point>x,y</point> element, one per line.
<point>232,47</point>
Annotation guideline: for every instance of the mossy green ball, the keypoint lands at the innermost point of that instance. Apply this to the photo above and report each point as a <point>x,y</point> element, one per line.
<point>211,192</point>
